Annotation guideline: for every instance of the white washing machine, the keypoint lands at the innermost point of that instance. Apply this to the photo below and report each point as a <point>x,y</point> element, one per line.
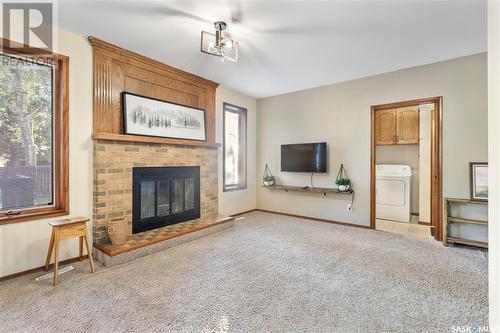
<point>393,192</point>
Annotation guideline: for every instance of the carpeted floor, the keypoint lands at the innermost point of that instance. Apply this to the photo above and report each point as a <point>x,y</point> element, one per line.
<point>269,273</point>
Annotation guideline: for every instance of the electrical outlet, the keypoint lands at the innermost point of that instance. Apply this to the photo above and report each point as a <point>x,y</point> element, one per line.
<point>349,207</point>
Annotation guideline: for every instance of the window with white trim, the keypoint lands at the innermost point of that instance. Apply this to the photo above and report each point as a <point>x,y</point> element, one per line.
<point>235,148</point>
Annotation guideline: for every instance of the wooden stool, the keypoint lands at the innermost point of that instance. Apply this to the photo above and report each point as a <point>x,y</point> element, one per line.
<point>68,228</point>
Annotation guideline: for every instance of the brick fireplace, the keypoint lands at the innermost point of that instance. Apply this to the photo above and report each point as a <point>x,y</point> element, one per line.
<point>113,169</point>
<point>117,154</point>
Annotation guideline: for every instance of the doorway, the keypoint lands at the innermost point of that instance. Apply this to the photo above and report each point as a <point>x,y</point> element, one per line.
<point>391,126</point>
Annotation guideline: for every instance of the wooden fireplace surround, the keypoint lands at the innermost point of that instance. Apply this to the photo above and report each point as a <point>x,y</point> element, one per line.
<point>116,70</point>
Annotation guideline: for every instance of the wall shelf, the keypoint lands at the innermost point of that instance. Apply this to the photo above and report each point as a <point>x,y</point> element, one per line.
<point>449,219</point>
<point>466,201</point>
<point>324,190</point>
<point>467,242</point>
<point>150,139</point>
<point>470,221</point>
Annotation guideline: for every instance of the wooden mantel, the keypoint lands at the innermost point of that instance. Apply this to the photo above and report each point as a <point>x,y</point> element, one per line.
<point>150,139</point>
<point>117,70</point>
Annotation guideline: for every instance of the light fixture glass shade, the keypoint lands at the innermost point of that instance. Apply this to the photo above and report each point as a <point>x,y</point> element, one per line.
<point>227,49</point>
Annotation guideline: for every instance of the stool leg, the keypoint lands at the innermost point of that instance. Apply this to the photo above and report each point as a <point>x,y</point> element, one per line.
<point>89,253</point>
<point>56,256</point>
<point>49,252</point>
<point>81,248</point>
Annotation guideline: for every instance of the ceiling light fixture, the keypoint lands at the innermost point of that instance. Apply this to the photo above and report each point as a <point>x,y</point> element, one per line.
<point>219,45</point>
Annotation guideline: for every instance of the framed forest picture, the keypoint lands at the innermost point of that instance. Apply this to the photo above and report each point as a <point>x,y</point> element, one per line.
<point>153,117</point>
<point>479,181</point>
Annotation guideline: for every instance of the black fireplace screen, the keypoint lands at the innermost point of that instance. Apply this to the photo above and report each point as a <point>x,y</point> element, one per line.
<point>163,196</point>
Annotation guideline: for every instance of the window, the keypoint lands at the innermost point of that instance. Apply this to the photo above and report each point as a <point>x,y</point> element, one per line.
<point>235,148</point>
<point>33,134</point>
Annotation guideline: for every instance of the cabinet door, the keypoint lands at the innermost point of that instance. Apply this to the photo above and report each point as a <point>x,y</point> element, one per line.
<point>385,125</point>
<point>408,125</point>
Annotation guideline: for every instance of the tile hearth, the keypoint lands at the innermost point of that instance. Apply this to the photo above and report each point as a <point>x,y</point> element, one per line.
<point>152,241</point>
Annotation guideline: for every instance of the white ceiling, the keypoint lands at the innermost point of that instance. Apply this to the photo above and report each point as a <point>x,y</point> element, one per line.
<point>287,45</point>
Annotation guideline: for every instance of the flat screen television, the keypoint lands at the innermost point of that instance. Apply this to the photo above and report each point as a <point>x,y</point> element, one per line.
<point>304,157</point>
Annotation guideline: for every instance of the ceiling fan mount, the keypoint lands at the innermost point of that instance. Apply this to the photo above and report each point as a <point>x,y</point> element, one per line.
<point>220,25</point>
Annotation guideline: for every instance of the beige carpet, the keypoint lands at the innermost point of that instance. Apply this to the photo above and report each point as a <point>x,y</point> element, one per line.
<point>268,274</point>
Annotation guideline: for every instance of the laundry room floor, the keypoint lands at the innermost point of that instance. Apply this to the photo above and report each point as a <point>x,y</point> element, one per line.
<point>413,229</point>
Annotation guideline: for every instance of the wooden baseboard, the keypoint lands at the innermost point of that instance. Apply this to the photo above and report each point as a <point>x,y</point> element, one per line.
<point>316,219</point>
<point>245,212</point>
<point>42,268</point>
<point>424,223</point>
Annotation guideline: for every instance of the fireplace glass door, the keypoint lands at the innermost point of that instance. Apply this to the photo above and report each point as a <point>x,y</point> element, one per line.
<point>163,196</point>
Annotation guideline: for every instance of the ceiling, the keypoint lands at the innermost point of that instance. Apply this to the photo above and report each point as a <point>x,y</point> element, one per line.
<point>287,46</point>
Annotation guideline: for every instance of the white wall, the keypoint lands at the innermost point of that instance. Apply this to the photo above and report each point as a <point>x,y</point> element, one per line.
<point>494,162</point>
<point>340,115</point>
<point>24,245</point>
<point>234,202</point>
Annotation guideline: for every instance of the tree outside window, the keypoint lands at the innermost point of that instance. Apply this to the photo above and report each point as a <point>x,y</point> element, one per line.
<point>26,134</point>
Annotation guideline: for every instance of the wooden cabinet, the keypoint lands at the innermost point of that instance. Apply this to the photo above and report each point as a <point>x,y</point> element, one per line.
<point>385,126</point>
<point>408,125</point>
<point>397,126</point>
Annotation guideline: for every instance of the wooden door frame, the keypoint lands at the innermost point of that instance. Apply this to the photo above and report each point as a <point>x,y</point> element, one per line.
<point>436,160</point>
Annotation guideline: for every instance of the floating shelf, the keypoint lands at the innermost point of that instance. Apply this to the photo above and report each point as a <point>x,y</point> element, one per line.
<point>324,190</point>
<point>150,139</point>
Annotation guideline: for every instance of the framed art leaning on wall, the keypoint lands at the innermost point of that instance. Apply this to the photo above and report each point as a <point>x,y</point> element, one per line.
<point>148,116</point>
<point>479,181</point>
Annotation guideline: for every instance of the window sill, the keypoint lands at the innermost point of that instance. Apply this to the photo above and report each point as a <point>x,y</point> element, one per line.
<point>236,188</point>
<point>33,215</point>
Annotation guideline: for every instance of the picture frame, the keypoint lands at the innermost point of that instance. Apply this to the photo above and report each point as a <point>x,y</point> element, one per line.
<point>147,116</point>
<point>478,181</point>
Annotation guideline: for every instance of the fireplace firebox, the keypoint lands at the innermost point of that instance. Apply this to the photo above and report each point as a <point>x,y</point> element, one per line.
<point>164,195</point>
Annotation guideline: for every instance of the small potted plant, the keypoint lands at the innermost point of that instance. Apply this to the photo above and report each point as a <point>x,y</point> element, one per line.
<point>268,180</point>
<point>342,181</point>
<point>343,184</point>
<point>268,177</point>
